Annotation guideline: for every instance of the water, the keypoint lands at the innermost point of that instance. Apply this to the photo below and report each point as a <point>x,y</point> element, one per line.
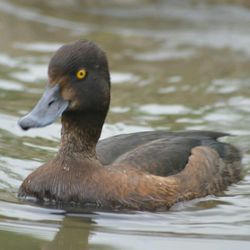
<point>176,65</point>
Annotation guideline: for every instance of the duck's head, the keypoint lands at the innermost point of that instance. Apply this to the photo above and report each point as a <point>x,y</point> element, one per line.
<point>79,82</point>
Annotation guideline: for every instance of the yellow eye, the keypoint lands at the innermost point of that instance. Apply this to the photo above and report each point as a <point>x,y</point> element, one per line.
<point>81,74</point>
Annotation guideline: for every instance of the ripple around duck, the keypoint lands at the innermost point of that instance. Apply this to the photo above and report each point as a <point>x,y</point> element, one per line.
<point>165,54</point>
<point>144,242</point>
<point>11,85</point>
<point>38,47</point>
<point>226,86</point>
<point>156,109</point>
<point>30,220</point>
<point>45,223</point>
<point>6,60</point>
<point>9,123</point>
<point>167,90</point>
<point>33,15</point>
<point>240,103</point>
<point>31,73</point>
<point>119,78</point>
<point>119,110</point>
<point>121,128</point>
<point>17,169</point>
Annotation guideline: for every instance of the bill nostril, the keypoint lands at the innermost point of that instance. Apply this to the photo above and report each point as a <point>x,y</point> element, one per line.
<point>51,102</point>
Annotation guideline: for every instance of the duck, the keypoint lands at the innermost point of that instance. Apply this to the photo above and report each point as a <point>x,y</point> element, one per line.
<point>146,171</point>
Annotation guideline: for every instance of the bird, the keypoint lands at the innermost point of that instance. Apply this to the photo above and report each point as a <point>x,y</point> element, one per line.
<point>145,171</point>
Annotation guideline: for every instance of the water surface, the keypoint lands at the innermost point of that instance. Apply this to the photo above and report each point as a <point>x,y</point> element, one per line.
<point>175,65</point>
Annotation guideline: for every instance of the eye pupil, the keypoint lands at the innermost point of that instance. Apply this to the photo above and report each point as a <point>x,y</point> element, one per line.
<point>81,74</point>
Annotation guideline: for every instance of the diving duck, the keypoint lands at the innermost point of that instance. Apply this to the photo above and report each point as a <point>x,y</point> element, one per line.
<point>140,171</point>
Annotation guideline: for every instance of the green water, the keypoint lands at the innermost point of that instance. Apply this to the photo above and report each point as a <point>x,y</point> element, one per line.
<point>175,65</point>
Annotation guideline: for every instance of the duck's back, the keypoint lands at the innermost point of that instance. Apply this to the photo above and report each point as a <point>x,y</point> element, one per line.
<point>161,153</point>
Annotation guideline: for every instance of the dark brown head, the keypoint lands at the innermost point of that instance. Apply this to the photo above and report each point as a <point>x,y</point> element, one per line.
<point>79,82</point>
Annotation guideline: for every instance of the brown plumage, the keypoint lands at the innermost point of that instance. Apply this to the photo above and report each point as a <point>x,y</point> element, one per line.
<point>142,171</point>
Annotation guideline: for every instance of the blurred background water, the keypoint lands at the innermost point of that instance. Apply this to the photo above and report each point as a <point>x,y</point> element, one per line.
<point>175,65</point>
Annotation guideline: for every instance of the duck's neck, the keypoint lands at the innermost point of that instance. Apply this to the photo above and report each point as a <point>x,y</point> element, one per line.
<point>80,134</point>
